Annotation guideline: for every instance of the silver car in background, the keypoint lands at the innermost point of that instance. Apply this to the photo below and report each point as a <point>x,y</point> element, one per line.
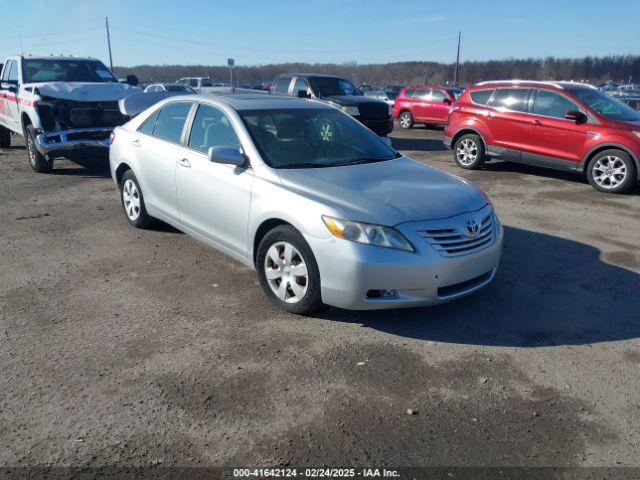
<point>325,210</point>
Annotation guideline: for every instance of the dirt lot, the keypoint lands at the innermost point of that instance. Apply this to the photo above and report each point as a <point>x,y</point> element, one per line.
<point>129,347</point>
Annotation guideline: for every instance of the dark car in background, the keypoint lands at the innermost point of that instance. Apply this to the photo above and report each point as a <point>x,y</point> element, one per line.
<point>374,114</point>
<point>424,104</point>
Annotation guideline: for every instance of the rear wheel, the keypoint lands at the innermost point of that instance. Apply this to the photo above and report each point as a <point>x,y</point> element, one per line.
<point>133,201</point>
<point>288,271</point>
<point>468,151</point>
<point>5,138</point>
<point>39,162</point>
<point>405,119</point>
<point>612,171</point>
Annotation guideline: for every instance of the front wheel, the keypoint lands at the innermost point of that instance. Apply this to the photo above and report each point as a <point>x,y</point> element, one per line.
<point>39,162</point>
<point>612,171</point>
<point>288,271</point>
<point>468,152</point>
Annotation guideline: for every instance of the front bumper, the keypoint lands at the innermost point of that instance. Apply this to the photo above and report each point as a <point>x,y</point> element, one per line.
<point>381,126</point>
<point>51,143</point>
<point>350,271</point>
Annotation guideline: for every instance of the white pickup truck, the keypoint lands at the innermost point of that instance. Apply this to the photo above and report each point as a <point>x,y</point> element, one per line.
<point>63,106</point>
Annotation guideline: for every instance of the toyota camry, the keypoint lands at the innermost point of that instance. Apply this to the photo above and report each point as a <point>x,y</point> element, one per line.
<point>321,207</point>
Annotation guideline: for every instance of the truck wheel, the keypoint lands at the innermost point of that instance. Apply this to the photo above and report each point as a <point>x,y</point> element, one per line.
<point>39,162</point>
<point>5,138</point>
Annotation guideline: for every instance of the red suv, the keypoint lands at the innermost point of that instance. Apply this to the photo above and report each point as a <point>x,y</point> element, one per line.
<point>566,126</point>
<point>422,104</point>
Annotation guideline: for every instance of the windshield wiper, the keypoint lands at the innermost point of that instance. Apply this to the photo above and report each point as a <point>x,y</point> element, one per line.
<point>359,161</point>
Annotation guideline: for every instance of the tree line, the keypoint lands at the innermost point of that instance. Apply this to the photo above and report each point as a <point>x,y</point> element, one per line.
<point>617,68</point>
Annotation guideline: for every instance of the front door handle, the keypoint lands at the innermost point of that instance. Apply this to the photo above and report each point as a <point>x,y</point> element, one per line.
<point>135,143</point>
<point>184,162</point>
<point>537,123</point>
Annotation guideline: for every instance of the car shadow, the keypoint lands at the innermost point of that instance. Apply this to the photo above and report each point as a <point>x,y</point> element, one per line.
<point>418,144</point>
<point>549,291</point>
<point>503,166</point>
<point>87,167</point>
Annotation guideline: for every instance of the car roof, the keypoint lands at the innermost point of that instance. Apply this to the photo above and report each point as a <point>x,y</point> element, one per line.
<point>255,101</point>
<point>58,57</point>
<point>534,83</point>
<point>310,75</point>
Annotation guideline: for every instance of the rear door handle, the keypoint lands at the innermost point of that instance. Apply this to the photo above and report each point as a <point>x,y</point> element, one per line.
<point>135,143</point>
<point>184,162</point>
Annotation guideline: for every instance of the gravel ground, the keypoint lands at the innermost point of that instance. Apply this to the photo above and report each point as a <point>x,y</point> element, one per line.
<point>128,347</point>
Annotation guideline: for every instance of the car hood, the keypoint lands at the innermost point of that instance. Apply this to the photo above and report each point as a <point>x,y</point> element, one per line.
<point>85,92</point>
<point>386,193</point>
<point>351,100</point>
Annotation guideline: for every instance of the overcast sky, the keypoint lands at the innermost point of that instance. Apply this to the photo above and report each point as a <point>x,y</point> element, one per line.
<point>272,31</point>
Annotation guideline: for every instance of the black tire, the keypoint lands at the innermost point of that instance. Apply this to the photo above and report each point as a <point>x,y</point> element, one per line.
<point>473,156</point>
<point>5,138</point>
<point>405,119</point>
<point>613,183</point>
<point>39,162</point>
<point>312,299</point>
<point>142,219</point>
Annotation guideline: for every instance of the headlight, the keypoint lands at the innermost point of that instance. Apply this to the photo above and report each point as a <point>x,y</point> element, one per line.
<point>368,234</point>
<point>351,110</point>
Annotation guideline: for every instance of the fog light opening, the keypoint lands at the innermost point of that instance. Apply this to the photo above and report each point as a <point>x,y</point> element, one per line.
<point>382,294</point>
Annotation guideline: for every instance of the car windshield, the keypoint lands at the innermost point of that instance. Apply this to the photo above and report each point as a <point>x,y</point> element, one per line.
<point>50,70</point>
<point>606,105</point>
<point>328,86</point>
<point>178,88</point>
<point>455,92</point>
<point>313,138</point>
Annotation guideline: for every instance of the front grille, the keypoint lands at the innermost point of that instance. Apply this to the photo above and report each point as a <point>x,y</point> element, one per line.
<point>461,287</point>
<point>373,110</point>
<point>451,242</point>
<point>90,135</point>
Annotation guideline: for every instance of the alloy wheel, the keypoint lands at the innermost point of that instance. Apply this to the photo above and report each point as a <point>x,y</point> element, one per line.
<point>609,172</point>
<point>286,272</point>
<point>467,152</point>
<point>405,120</point>
<point>31,147</point>
<point>131,200</point>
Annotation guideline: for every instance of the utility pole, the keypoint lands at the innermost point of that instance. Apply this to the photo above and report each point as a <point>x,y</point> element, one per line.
<point>455,83</point>
<point>106,21</point>
<point>21,49</point>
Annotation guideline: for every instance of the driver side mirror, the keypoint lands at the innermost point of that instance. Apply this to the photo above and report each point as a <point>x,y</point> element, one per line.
<point>226,155</point>
<point>132,80</point>
<point>447,101</point>
<point>576,116</point>
<point>303,94</point>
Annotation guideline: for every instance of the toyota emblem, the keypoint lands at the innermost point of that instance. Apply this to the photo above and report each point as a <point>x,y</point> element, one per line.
<point>472,228</point>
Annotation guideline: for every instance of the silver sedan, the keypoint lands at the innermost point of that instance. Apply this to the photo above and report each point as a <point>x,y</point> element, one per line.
<point>326,211</point>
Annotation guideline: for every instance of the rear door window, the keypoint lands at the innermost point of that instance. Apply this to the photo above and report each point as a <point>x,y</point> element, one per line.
<point>481,97</point>
<point>149,123</point>
<point>171,120</point>
<point>510,99</point>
